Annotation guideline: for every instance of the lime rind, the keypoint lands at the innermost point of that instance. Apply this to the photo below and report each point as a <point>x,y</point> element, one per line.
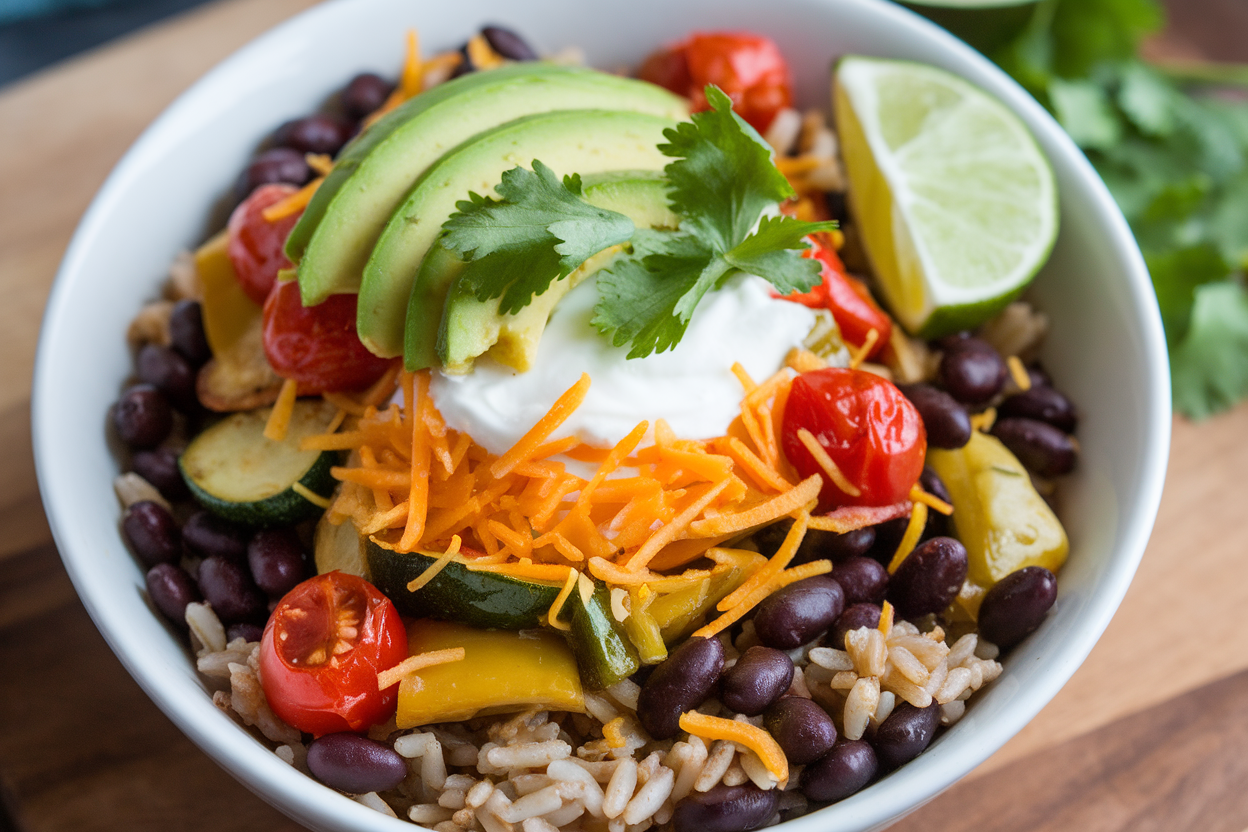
<point>957,203</point>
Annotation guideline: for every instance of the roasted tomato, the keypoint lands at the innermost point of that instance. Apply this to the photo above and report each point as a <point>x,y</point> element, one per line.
<point>317,346</point>
<point>867,427</point>
<point>748,67</point>
<point>322,649</point>
<point>256,246</point>
<point>850,302</point>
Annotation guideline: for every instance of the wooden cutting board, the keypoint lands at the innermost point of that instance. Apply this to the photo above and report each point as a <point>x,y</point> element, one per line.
<point>1150,734</point>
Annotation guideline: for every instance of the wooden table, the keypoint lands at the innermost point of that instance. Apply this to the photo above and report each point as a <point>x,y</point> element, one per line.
<point>1150,734</point>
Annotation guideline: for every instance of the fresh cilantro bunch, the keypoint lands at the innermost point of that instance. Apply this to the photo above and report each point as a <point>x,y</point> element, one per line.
<point>721,184</point>
<point>1175,158</point>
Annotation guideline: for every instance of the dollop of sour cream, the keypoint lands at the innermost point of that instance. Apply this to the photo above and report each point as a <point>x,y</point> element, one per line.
<point>691,386</point>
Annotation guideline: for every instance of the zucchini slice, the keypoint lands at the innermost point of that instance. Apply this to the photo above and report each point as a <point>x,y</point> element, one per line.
<point>234,471</point>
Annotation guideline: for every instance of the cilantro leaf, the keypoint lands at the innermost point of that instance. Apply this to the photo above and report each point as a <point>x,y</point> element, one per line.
<point>537,231</point>
<point>724,177</point>
<point>1210,364</point>
<point>1177,275</point>
<point>770,254</point>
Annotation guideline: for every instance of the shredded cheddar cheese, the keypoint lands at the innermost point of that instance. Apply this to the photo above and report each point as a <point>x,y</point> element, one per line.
<point>918,519</point>
<point>1018,372</point>
<point>279,417</point>
<point>755,739</point>
<point>826,463</point>
<point>310,495</point>
<point>437,566</point>
<point>552,618</point>
<point>420,661</point>
<point>293,204</point>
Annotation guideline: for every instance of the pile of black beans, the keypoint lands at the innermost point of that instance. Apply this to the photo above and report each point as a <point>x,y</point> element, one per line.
<point>1035,425</point>
<point>283,157</point>
<point>239,571</point>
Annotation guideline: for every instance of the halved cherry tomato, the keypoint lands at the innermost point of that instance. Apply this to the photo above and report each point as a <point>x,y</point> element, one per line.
<point>317,346</point>
<point>256,246</point>
<point>868,428</point>
<point>748,67</point>
<point>321,652</point>
<point>849,301</point>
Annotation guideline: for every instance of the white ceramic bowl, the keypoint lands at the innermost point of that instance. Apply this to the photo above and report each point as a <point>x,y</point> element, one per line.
<point>1106,347</point>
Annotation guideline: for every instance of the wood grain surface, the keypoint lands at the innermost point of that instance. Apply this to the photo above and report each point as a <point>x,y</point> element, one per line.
<point>1150,734</point>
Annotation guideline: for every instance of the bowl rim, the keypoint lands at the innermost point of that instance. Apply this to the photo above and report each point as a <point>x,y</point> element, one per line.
<point>285,787</point>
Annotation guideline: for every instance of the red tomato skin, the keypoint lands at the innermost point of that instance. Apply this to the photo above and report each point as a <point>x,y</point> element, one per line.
<point>850,303</point>
<point>317,346</point>
<point>869,429</point>
<point>341,695</point>
<point>256,246</point>
<point>748,67</point>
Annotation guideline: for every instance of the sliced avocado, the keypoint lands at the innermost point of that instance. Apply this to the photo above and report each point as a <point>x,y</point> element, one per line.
<point>470,327</point>
<point>332,240</point>
<point>568,141</point>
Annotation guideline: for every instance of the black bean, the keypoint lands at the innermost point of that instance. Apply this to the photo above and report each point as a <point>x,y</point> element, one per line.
<point>937,524</point>
<point>816,544</point>
<point>142,416</point>
<point>171,589</point>
<point>798,613</point>
<point>276,165</point>
<point>972,371</point>
<point>725,809</point>
<point>314,134</point>
<point>947,422</point>
<point>850,765</point>
<point>802,728</point>
<point>355,764</point>
<point>508,44</point>
<point>277,560</point>
<point>888,537</point>
<point>760,676</point>
<point>160,468</point>
<point>206,535</point>
<point>855,617</point>
<point>1042,448</point>
<point>365,93</point>
<point>1044,404</point>
<point>186,332</point>
<point>169,373</point>
<point>905,734</point>
<point>233,595</point>
<point>838,206</point>
<point>862,579</point>
<point>246,630</point>
<point>680,683</point>
<point>929,578</point>
<point>152,533</point>
<point>1039,376</point>
<point>1016,605</point>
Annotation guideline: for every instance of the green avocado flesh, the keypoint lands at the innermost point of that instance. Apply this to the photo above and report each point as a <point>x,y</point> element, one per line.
<point>334,237</point>
<point>567,141</point>
<point>470,327</point>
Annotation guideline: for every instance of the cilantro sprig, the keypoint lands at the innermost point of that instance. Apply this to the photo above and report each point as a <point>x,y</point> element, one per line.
<point>721,184</point>
<point>1174,156</point>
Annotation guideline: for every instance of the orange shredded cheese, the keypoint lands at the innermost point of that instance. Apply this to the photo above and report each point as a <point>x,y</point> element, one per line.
<point>782,505</point>
<point>293,204</point>
<point>418,498</point>
<point>806,570</point>
<point>279,417</point>
<point>613,733</point>
<point>742,376</point>
<point>798,165</point>
<point>860,355</point>
<point>757,470</point>
<point>826,463</point>
<point>774,566</point>
<point>556,416</point>
<point>1018,372</point>
<point>887,613</point>
<point>755,739</point>
<point>918,519</point>
<point>310,495</point>
<point>411,81</point>
<point>482,54</point>
<point>804,361</point>
<point>933,502</point>
<point>677,526</point>
<point>320,163</point>
<point>984,421</point>
<point>420,661</point>
<point>437,566</point>
<point>552,617</point>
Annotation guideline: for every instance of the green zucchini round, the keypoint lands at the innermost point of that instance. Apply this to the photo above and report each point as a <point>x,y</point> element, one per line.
<point>234,471</point>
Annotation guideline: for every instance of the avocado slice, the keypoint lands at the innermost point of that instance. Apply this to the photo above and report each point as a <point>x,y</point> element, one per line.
<point>333,239</point>
<point>568,141</point>
<point>471,327</point>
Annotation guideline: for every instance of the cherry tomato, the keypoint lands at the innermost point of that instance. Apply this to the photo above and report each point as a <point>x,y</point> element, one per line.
<point>321,652</point>
<point>868,428</point>
<point>748,67</point>
<point>256,246</point>
<point>848,300</point>
<point>317,346</point>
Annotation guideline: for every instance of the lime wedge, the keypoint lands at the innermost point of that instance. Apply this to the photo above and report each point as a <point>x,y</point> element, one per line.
<point>954,201</point>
